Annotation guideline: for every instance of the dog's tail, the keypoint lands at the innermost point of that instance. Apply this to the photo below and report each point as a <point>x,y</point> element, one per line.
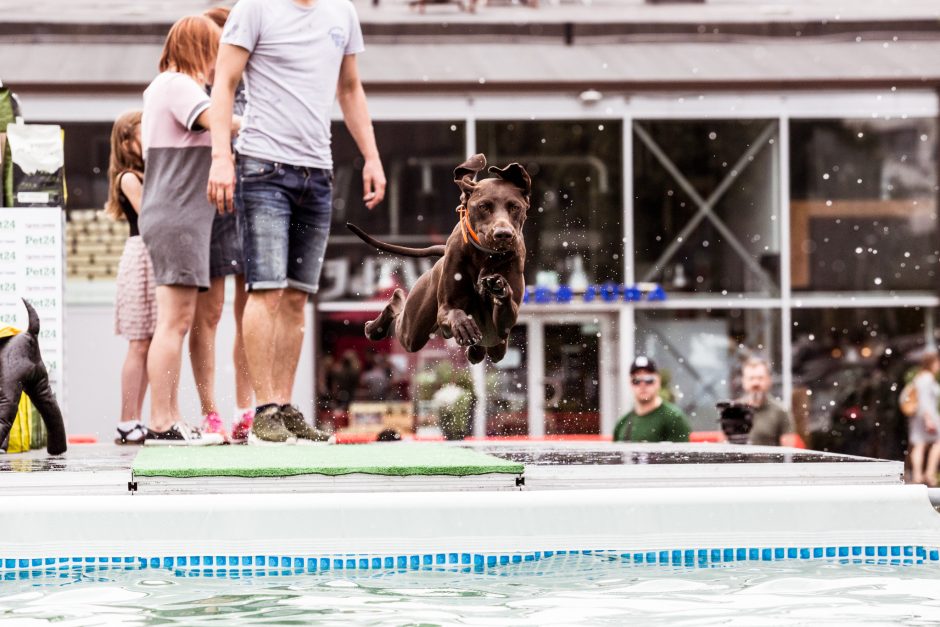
<point>33,328</point>
<point>430,251</point>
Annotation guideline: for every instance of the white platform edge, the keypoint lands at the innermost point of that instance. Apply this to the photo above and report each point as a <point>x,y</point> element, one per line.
<point>616,519</point>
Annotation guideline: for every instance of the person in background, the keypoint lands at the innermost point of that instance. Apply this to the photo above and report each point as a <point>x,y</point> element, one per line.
<point>225,259</point>
<point>771,419</point>
<point>297,58</point>
<point>135,311</point>
<point>923,425</point>
<point>652,419</point>
<point>376,381</point>
<point>176,219</point>
<point>346,379</point>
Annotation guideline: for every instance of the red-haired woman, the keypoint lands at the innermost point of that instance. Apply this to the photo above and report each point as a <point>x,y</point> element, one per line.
<point>176,219</point>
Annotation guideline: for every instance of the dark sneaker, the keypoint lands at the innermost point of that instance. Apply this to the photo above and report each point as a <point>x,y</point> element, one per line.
<point>268,428</point>
<point>181,434</point>
<point>130,433</point>
<point>296,424</point>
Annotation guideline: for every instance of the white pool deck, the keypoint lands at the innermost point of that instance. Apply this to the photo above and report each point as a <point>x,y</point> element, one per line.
<point>103,469</point>
<point>664,503</point>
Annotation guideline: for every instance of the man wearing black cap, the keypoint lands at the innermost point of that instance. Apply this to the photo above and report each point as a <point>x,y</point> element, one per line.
<point>652,419</point>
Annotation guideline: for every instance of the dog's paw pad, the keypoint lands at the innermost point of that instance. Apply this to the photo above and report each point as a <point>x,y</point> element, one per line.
<point>495,285</point>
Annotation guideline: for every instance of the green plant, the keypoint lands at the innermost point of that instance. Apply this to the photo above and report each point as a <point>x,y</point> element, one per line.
<point>454,410</point>
<point>450,391</point>
<point>433,378</point>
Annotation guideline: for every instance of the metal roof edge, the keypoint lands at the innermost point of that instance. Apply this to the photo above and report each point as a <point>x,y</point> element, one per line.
<point>576,85</point>
<point>564,28</point>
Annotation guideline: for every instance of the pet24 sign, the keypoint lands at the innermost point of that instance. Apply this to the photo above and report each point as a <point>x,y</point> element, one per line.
<point>31,267</point>
<point>604,293</point>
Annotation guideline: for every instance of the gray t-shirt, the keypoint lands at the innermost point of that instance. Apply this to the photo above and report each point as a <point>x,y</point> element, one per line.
<point>771,420</point>
<point>291,76</point>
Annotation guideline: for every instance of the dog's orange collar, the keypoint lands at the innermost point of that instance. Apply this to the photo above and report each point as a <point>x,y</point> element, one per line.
<point>465,226</point>
<point>474,239</point>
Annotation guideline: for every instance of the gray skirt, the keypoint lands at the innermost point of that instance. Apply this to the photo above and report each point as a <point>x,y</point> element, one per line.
<point>917,431</point>
<point>178,241</point>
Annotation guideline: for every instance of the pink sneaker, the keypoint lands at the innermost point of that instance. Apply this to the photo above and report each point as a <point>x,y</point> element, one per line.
<point>212,423</point>
<point>242,427</point>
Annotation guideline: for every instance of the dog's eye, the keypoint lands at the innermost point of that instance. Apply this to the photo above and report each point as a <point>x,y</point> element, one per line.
<point>483,206</point>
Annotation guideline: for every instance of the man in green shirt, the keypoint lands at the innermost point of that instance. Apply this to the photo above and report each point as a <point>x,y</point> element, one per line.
<point>652,419</point>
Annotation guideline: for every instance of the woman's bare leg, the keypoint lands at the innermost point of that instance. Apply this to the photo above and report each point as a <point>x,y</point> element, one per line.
<point>134,380</point>
<point>917,463</point>
<point>244,395</point>
<point>202,342</point>
<point>176,306</point>
<point>933,461</point>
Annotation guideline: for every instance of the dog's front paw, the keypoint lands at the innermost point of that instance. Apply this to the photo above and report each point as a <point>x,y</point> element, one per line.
<point>495,285</point>
<point>464,329</point>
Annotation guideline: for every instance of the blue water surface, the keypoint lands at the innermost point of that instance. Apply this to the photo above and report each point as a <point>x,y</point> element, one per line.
<point>559,590</point>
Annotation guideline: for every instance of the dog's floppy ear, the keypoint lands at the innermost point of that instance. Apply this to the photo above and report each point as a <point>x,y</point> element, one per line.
<point>467,171</point>
<point>516,174</point>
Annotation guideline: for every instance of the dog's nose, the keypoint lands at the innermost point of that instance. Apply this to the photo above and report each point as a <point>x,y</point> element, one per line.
<point>502,235</point>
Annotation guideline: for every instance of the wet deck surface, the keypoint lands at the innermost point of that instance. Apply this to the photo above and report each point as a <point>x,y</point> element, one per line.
<point>111,457</point>
<point>79,458</point>
<point>106,469</point>
<point>621,454</point>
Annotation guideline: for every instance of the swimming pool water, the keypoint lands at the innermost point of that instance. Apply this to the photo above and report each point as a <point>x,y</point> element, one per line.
<point>561,590</point>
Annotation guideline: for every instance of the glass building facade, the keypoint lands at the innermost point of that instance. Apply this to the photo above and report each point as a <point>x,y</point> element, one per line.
<point>801,227</point>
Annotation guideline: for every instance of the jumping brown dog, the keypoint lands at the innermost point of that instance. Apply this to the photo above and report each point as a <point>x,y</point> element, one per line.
<point>473,292</point>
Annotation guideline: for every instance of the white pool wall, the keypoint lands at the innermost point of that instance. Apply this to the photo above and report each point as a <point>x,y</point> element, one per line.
<point>491,522</point>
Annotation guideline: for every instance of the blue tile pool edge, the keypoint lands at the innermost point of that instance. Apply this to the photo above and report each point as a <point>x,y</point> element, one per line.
<point>281,564</point>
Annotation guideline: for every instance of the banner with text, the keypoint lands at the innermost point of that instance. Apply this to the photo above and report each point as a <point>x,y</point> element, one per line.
<point>32,267</point>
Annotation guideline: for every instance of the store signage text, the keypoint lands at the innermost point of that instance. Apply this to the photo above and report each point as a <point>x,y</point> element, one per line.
<point>606,293</point>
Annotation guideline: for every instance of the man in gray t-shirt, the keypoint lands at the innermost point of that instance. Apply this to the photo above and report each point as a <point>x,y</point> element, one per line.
<point>771,419</point>
<point>296,56</point>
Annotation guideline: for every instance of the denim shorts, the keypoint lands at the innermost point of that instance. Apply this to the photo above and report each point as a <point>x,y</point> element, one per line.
<point>284,220</point>
<point>225,248</point>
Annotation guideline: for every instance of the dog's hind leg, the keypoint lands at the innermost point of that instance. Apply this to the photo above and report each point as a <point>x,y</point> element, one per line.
<point>40,393</point>
<point>417,322</point>
<point>384,325</point>
<point>9,403</point>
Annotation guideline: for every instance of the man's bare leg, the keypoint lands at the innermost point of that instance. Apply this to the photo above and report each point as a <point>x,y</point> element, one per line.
<point>288,342</point>
<point>259,325</point>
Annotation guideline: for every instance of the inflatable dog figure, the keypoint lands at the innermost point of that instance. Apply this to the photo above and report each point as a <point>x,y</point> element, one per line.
<point>22,370</point>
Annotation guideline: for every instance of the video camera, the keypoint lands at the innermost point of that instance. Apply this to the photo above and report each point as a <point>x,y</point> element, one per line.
<point>736,420</point>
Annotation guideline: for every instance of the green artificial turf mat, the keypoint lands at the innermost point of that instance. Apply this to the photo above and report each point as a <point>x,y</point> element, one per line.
<point>393,459</point>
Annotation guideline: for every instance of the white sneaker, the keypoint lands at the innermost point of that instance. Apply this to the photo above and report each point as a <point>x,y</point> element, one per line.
<point>130,432</point>
<point>181,434</point>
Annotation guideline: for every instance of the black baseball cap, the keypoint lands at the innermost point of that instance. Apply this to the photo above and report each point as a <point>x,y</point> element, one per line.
<point>643,363</point>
